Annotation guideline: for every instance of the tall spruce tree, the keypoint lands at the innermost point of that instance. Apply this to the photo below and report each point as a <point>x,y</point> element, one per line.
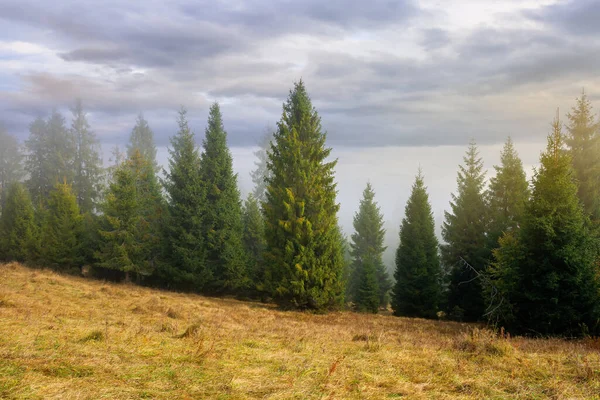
<point>18,229</point>
<point>367,247</point>
<point>118,247</point>
<point>583,140</point>
<point>418,290</point>
<point>548,272</point>
<point>133,213</point>
<point>185,262</point>
<point>304,261</point>
<point>142,139</point>
<point>507,195</point>
<point>465,253</point>
<point>222,222</point>
<point>87,163</point>
<point>11,163</point>
<point>151,213</point>
<point>50,156</point>
<point>62,230</point>
<point>36,162</point>
<point>254,241</point>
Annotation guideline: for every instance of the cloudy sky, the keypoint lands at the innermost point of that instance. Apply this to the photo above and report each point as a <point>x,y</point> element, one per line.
<point>398,83</point>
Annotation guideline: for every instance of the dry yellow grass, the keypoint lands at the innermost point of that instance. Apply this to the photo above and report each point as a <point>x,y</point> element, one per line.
<point>64,337</point>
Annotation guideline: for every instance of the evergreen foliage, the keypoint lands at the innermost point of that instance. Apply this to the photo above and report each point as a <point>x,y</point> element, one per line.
<point>464,231</point>
<point>185,260</point>
<point>418,291</point>
<point>367,246</point>
<point>17,225</point>
<point>222,221</point>
<point>261,173</point>
<point>583,140</point>
<point>254,241</point>
<point>347,269</point>
<point>87,161</point>
<point>142,139</point>
<point>133,212</point>
<point>304,261</point>
<point>11,163</point>
<point>50,157</point>
<point>507,195</point>
<point>90,238</point>
<point>549,273</point>
<point>368,291</point>
<point>61,230</point>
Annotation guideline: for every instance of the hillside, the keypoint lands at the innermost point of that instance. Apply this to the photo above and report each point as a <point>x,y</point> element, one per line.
<point>71,338</point>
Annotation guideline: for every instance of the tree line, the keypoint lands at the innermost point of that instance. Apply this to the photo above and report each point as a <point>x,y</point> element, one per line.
<point>523,255</point>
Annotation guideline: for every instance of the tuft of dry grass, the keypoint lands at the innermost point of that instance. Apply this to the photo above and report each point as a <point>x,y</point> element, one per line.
<point>65,337</point>
<point>93,336</point>
<point>478,341</point>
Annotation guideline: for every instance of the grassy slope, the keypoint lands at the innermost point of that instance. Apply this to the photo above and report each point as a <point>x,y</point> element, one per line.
<point>71,338</point>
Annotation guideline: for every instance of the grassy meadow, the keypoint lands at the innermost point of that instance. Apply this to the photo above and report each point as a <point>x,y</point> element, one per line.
<point>64,337</point>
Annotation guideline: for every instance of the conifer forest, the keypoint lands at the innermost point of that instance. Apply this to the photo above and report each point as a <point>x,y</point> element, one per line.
<point>519,255</point>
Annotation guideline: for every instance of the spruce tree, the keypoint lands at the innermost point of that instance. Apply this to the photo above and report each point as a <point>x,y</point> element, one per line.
<point>36,162</point>
<point>61,149</point>
<point>583,140</point>
<point>367,246</point>
<point>222,221</point>
<point>133,213</point>
<point>507,195</point>
<point>90,237</point>
<point>555,287</point>
<point>151,213</point>
<point>254,241</point>
<point>87,162</point>
<point>61,231</point>
<point>17,225</point>
<point>368,291</point>
<point>304,261</point>
<point>185,261</point>
<point>118,247</point>
<point>50,157</point>
<point>418,291</point>
<point>142,139</point>
<point>465,253</point>
<point>11,163</point>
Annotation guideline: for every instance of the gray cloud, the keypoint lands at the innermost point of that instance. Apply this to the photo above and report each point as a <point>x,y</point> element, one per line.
<point>156,57</point>
<point>578,17</point>
<point>435,38</point>
<point>113,32</point>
